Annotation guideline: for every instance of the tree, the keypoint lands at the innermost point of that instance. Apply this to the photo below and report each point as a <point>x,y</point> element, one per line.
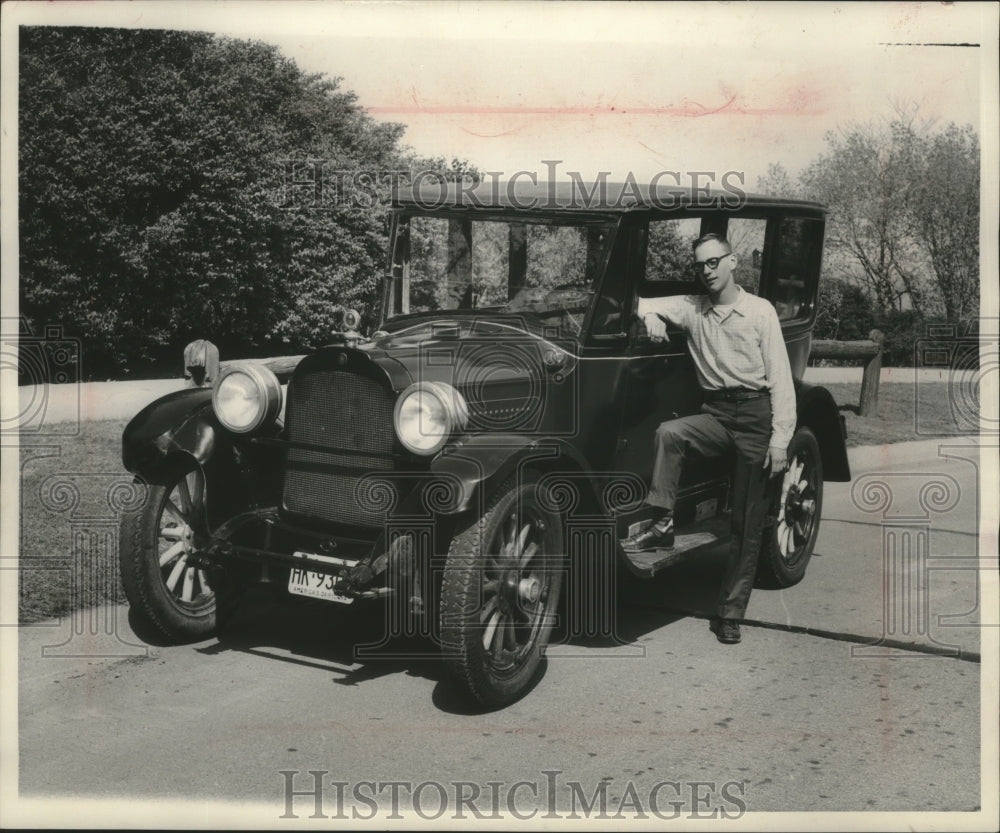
<point>154,194</point>
<point>668,253</point>
<point>843,311</point>
<point>944,217</point>
<point>777,182</point>
<point>904,203</point>
<point>865,177</point>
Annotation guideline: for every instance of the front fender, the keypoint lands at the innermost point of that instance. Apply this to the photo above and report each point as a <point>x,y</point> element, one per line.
<point>475,463</point>
<point>178,424</point>
<point>818,411</point>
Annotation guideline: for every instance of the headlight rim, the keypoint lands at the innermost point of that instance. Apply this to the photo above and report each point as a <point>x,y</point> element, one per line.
<point>455,407</point>
<point>269,390</point>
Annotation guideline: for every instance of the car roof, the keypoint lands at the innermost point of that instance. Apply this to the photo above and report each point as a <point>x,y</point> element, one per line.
<point>575,196</point>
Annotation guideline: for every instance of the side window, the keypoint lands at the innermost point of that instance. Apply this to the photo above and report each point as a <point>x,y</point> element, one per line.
<point>432,253</point>
<point>747,239</point>
<point>609,309</point>
<point>799,249</point>
<point>670,261</point>
<point>668,251</point>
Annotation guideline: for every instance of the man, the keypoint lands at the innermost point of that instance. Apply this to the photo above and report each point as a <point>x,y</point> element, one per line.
<point>739,355</point>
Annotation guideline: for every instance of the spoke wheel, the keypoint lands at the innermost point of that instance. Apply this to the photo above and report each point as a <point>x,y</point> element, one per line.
<point>788,543</point>
<point>181,531</point>
<point>158,545</point>
<point>501,587</point>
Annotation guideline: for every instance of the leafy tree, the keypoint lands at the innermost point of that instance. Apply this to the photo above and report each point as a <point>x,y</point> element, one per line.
<point>904,216</point>
<point>866,178</point>
<point>944,217</point>
<point>843,311</point>
<point>668,254</point>
<point>777,182</point>
<point>156,201</point>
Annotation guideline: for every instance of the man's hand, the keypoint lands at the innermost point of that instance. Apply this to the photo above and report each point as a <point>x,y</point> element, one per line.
<point>777,459</point>
<point>655,326</point>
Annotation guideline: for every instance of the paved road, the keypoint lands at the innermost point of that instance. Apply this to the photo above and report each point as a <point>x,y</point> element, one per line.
<point>849,692</point>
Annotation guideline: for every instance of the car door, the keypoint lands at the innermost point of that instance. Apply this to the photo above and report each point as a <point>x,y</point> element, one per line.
<point>660,383</point>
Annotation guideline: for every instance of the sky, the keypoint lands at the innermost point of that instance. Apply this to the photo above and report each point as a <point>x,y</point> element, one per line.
<point>623,87</point>
<point>704,99</point>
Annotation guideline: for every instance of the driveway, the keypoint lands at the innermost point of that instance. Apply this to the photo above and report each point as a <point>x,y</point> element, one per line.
<point>859,689</point>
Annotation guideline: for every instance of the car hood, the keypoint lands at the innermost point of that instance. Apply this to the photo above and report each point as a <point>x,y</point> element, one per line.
<point>472,352</point>
<point>510,377</point>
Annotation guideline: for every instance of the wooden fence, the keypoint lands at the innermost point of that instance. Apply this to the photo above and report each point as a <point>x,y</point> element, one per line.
<point>870,351</point>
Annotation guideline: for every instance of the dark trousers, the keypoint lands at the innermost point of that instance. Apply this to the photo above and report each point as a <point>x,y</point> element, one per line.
<point>742,429</point>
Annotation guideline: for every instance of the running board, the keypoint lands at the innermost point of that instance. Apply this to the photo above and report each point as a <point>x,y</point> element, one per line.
<point>694,538</point>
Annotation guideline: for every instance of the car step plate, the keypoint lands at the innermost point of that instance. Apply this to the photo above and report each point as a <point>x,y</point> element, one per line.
<point>693,539</point>
<point>305,582</point>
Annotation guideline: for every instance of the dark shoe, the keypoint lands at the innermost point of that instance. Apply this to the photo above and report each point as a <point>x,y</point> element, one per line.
<point>727,631</point>
<point>650,539</point>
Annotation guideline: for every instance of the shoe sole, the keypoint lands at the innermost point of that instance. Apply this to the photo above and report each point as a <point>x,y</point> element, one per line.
<point>669,546</point>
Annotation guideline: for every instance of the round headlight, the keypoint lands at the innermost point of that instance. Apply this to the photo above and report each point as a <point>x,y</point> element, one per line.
<point>427,414</point>
<point>246,397</point>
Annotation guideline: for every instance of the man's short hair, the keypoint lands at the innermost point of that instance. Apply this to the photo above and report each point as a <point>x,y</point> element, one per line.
<point>705,238</point>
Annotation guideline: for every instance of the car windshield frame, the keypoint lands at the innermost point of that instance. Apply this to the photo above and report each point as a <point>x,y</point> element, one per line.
<point>515,311</point>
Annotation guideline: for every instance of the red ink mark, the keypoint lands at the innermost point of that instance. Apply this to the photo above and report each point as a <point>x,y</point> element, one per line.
<point>707,111</point>
<point>488,135</point>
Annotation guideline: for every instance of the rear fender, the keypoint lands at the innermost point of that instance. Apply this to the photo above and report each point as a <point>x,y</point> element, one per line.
<point>818,411</point>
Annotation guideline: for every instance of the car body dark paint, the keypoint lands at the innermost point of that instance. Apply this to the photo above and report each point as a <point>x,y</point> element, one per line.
<point>818,411</point>
<point>473,459</point>
<point>369,361</point>
<point>178,423</point>
<point>472,465</point>
<point>180,430</point>
<point>572,395</point>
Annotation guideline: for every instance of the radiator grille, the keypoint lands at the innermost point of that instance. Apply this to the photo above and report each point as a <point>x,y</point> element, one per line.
<point>341,411</point>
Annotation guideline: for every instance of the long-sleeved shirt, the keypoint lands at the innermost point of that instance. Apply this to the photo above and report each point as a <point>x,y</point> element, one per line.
<point>740,348</point>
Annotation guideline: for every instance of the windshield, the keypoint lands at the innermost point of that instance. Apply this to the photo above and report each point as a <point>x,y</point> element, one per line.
<point>543,272</point>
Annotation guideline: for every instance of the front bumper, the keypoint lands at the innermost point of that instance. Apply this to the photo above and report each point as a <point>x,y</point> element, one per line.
<point>363,566</point>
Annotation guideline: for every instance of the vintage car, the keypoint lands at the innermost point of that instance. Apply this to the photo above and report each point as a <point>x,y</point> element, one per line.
<point>489,441</point>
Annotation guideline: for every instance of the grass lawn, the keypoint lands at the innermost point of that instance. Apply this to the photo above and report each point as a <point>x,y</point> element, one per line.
<point>908,412</point>
<point>64,490</point>
<point>56,518</point>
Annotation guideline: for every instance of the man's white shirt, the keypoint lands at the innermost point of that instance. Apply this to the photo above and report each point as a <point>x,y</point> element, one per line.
<point>740,347</point>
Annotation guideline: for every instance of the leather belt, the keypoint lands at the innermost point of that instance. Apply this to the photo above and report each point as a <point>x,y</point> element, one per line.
<point>734,394</point>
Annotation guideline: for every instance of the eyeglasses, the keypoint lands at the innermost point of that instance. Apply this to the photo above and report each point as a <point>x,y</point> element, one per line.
<point>711,263</point>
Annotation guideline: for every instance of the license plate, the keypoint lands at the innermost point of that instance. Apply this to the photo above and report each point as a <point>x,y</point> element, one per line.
<point>315,585</point>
